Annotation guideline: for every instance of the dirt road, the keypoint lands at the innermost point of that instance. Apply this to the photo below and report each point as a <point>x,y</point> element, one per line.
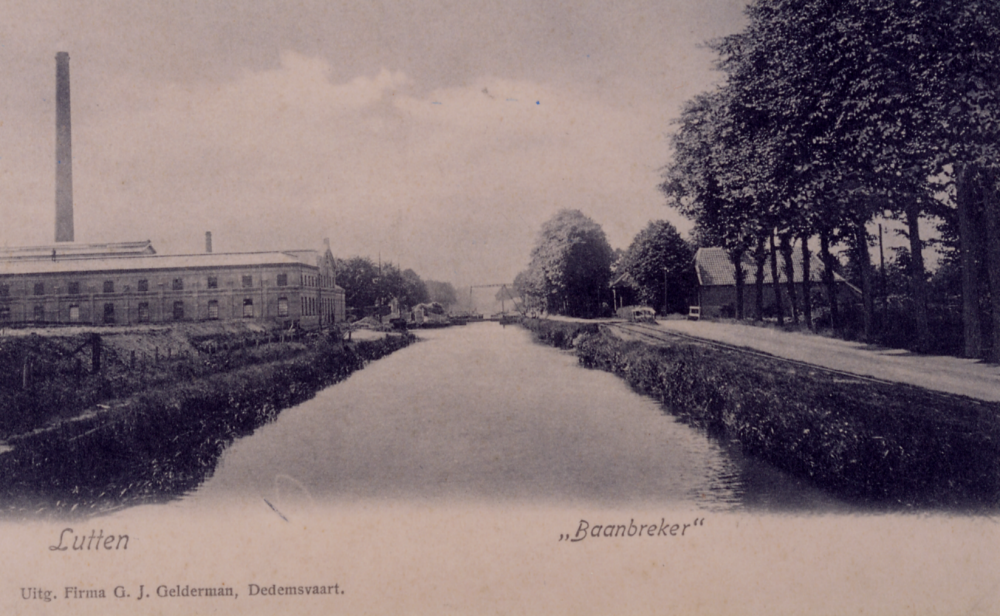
<point>954,375</point>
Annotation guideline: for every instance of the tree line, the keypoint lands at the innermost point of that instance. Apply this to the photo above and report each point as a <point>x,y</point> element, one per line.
<point>835,113</point>
<point>368,286</point>
<point>572,267</point>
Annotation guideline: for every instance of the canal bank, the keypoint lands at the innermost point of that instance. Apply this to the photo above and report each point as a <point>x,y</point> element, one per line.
<point>165,431</point>
<point>884,444</point>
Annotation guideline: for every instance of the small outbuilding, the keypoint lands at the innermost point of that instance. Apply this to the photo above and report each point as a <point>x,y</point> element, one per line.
<point>717,283</point>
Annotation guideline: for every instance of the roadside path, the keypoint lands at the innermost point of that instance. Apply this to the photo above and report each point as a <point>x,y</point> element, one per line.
<point>953,375</point>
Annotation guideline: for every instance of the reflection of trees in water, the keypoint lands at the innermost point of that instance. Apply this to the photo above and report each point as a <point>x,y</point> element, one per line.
<point>116,465</point>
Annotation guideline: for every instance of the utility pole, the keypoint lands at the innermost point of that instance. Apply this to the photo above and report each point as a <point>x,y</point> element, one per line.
<point>885,297</point>
<point>664,291</point>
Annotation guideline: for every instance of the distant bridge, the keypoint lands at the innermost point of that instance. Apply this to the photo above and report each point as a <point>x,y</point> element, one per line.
<point>504,287</point>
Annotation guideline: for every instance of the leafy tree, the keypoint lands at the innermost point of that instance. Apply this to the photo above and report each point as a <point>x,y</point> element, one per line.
<point>834,111</point>
<point>441,292</point>
<point>962,82</point>
<point>412,290</point>
<point>704,180</point>
<point>570,267</point>
<point>659,255</point>
<point>366,284</point>
<point>529,287</point>
<point>359,277</point>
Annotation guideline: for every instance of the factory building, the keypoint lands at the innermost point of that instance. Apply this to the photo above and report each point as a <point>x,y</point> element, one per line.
<point>111,287</point>
<point>129,283</point>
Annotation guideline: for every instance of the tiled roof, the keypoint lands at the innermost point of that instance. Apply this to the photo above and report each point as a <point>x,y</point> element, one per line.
<point>154,262</point>
<point>715,269</point>
<point>623,280</point>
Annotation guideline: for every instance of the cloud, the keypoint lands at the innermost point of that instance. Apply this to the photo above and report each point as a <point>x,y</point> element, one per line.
<point>454,182</point>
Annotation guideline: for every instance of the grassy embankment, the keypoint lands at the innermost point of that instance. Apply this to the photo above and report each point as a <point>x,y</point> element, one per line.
<point>886,444</point>
<point>166,420</point>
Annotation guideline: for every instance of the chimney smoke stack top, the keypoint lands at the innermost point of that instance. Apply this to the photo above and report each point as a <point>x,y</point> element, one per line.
<point>64,152</point>
<point>208,241</point>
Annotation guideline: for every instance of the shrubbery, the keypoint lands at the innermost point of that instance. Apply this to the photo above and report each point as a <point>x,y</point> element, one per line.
<point>560,334</point>
<point>165,441</point>
<point>884,443</point>
<point>61,383</point>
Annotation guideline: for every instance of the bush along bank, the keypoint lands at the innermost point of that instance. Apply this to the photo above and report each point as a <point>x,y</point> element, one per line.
<point>885,444</point>
<point>50,378</point>
<point>560,334</point>
<point>164,442</point>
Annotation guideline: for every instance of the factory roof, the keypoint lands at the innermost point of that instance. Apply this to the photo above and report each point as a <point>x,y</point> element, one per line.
<point>75,250</point>
<point>69,264</point>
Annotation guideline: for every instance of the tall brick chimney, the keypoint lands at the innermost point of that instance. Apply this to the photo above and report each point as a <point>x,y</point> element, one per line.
<point>208,241</point>
<point>64,152</point>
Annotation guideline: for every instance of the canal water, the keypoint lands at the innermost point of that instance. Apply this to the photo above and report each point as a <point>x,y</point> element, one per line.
<point>482,414</point>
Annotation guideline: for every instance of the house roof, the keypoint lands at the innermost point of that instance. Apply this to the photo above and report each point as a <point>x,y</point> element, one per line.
<point>153,262</point>
<point>623,280</point>
<point>715,269</point>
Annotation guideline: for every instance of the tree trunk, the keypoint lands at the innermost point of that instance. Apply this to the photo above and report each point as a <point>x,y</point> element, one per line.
<point>864,262</point>
<point>740,277</point>
<point>806,282</point>
<point>786,253</point>
<point>918,278</point>
<point>828,278</point>
<point>969,247</point>
<point>759,257</point>
<point>991,208</point>
<point>776,283</point>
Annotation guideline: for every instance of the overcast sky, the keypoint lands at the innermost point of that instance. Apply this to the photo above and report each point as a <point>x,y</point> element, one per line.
<point>439,133</point>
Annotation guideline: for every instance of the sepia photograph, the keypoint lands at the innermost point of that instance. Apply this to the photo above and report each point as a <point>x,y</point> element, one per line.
<point>438,307</point>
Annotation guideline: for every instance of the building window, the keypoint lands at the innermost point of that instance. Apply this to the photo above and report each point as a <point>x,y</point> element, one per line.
<point>73,288</point>
<point>282,306</point>
<point>109,313</point>
<point>247,281</point>
<point>74,313</point>
<point>39,288</point>
<point>4,314</point>
<point>213,309</point>
<point>39,312</point>
<point>4,290</point>
<point>178,311</point>
<point>213,282</point>
<point>143,312</point>
<point>282,280</point>
<point>178,284</point>
<point>248,308</point>
<point>109,286</point>
<point>143,285</point>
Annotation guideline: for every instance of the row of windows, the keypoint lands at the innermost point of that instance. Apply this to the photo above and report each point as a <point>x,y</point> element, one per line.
<point>38,311</point>
<point>142,285</point>
<point>311,307</point>
<point>327,282</point>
